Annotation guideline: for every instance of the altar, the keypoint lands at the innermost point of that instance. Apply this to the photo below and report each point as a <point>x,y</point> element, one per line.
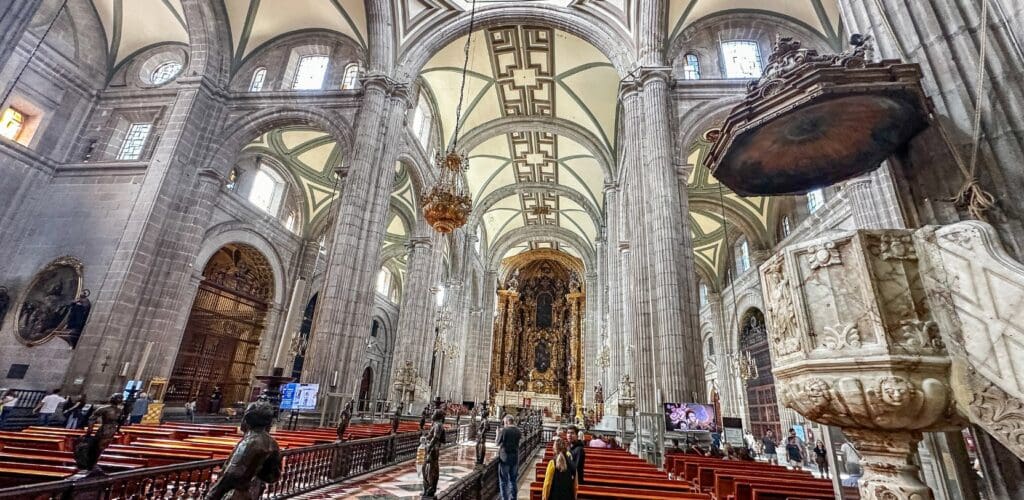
<point>529,399</point>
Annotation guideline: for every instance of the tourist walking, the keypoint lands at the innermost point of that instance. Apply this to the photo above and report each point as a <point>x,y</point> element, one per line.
<point>48,406</point>
<point>560,478</point>
<point>75,414</point>
<point>578,452</point>
<point>821,458</point>
<point>794,453</point>
<point>8,400</point>
<point>770,447</point>
<point>508,458</point>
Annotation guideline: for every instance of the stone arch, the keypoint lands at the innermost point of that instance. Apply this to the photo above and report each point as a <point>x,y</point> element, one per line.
<point>243,129</point>
<point>551,124</point>
<point>747,302</point>
<point>240,233</point>
<point>612,43</point>
<point>209,40</point>
<point>527,233</point>
<point>503,192</point>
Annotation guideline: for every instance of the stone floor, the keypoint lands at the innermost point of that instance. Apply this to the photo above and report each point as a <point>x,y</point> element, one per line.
<point>403,480</point>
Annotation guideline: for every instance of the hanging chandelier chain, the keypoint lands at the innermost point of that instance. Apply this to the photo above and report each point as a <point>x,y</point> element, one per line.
<point>465,68</point>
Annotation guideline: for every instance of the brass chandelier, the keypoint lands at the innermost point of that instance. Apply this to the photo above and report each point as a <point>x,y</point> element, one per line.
<point>447,205</point>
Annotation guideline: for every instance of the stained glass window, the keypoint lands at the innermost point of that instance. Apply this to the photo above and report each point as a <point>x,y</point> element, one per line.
<point>692,69</point>
<point>165,72</point>
<point>134,141</point>
<point>742,59</point>
<point>742,256</point>
<point>310,75</point>
<point>258,77</point>
<point>267,190</point>
<point>351,77</point>
<point>815,199</point>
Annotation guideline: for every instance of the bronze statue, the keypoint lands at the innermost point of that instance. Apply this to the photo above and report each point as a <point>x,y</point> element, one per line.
<point>396,418</point>
<point>5,303</point>
<point>91,446</point>
<point>346,417</point>
<point>431,465</point>
<point>255,460</point>
<point>473,426</point>
<point>481,436</point>
<point>423,418</point>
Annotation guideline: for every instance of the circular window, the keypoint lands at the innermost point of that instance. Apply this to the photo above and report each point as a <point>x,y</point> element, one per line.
<point>165,72</point>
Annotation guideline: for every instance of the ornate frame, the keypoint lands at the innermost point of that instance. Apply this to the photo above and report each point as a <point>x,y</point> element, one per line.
<point>63,261</point>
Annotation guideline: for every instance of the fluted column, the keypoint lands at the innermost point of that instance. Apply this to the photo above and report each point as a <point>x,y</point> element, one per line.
<point>416,299</point>
<point>455,296</point>
<point>591,338</point>
<point>346,301</point>
<point>479,368</point>
<point>944,37</point>
<point>677,340</point>
<point>615,290</point>
<point>873,201</point>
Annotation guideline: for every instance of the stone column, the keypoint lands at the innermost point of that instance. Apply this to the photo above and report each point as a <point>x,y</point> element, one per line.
<point>482,361</point>
<point>873,201</point>
<point>578,370</point>
<point>455,297</point>
<point>944,37</point>
<point>591,338</point>
<point>346,301</point>
<point>615,291</point>
<point>416,300</point>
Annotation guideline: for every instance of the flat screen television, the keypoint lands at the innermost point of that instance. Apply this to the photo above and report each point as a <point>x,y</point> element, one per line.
<point>299,396</point>
<point>686,417</point>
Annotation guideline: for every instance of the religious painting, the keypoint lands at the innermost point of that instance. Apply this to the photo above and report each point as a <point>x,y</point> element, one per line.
<point>48,300</point>
<point>542,357</point>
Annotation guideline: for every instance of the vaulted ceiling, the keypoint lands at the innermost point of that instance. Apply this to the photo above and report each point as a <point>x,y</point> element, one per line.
<point>529,175</point>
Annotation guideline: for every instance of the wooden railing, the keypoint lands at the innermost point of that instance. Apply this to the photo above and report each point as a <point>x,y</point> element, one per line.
<point>483,482</point>
<point>304,469</point>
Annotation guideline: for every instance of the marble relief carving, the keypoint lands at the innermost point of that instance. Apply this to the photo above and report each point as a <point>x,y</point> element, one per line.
<point>897,386</point>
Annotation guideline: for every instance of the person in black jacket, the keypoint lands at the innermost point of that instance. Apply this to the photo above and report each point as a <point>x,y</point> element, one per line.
<point>578,451</point>
<point>508,459</point>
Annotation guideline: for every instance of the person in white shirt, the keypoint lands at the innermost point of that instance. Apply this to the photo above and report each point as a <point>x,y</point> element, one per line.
<point>8,400</point>
<point>48,406</point>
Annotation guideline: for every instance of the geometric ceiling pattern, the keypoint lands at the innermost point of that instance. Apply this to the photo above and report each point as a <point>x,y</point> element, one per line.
<point>709,219</point>
<point>309,155</point>
<point>524,71</point>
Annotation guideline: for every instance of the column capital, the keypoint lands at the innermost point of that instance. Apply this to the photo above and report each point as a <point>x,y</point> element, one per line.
<point>610,187</point>
<point>629,90</point>
<point>651,74</point>
<point>683,170</point>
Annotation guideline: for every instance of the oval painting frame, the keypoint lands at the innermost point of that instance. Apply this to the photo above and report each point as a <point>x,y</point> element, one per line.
<point>43,306</point>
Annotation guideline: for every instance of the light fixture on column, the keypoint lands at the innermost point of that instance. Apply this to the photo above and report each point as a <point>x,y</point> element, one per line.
<point>745,366</point>
<point>447,205</point>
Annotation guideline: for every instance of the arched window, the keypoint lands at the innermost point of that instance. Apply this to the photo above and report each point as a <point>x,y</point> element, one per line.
<point>351,78</point>
<point>785,227</point>
<point>479,238</point>
<point>815,199</point>
<point>703,292</point>
<point>258,78</point>
<point>376,326</point>
<point>422,118</point>
<point>742,59</point>
<point>742,255</point>
<point>384,281</point>
<point>165,72</point>
<point>711,345</point>
<point>267,189</point>
<point>692,69</point>
<point>310,75</point>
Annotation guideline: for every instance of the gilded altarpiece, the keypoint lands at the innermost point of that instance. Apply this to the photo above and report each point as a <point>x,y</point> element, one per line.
<point>537,331</point>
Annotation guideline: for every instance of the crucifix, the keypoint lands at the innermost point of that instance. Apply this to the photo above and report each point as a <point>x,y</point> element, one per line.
<point>106,363</point>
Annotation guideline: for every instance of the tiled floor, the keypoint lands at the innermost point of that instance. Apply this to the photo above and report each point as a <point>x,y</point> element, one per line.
<point>404,480</point>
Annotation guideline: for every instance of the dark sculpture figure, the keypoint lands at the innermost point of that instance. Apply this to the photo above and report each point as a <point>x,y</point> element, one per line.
<point>423,418</point>
<point>481,436</point>
<point>5,303</point>
<point>255,460</point>
<point>473,425</point>
<point>91,446</point>
<point>346,417</point>
<point>396,418</point>
<point>431,466</point>
<point>78,314</point>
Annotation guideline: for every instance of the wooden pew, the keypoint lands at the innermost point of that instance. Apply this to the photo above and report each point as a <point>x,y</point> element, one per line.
<point>587,492</point>
<point>17,474</point>
<point>21,439</point>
